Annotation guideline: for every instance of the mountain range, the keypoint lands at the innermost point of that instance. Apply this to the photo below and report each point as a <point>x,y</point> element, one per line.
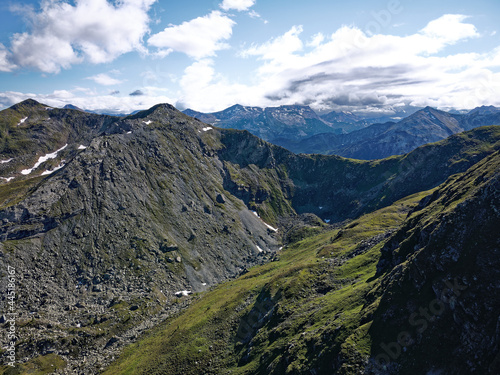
<point>124,231</point>
<point>348,135</point>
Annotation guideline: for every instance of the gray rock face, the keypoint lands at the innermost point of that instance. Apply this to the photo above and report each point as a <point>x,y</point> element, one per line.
<point>138,215</point>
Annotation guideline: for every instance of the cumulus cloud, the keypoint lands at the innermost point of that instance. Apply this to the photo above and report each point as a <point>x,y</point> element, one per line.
<point>449,29</point>
<point>198,38</point>
<point>350,70</point>
<point>239,5</point>
<point>105,80</point>
<point>204,89</point>
<point>63,34</point>
<point>5,65</point>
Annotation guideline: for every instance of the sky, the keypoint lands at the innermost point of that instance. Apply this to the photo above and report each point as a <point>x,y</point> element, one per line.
<point>364,56</point>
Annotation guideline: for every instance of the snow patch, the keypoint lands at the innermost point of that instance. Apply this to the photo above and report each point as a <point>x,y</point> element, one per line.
<point>6,161</point>
<point>43,159</point>
<point>270,227</point>
<point>22,121</point>
<point>147,122</point>
<point>82,147</point>
<point>7,178</point>
<point>207,128</point>
<point>204,284</point>
<point>55,169</point>
<point>129,132</point>
<point>266,224</point>
<point>183,293</point>
<point>260,250</point>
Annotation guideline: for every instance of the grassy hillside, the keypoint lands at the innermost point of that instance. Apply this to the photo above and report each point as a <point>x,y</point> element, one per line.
<point>278,317</point>
<point>330,303</point>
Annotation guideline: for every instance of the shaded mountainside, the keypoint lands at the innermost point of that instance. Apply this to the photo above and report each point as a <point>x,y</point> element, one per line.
<point>382,140</point>
<point>335,188</point>
<point>409,289</point>
<point>440,280</point>
<point>107,238</point>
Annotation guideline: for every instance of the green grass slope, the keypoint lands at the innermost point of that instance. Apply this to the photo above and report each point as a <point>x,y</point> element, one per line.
<point>279,317</point>
<point>335,303</point>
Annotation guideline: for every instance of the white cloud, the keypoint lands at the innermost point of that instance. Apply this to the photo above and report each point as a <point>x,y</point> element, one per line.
<point>447,30</point>
<point>280,51</point>
<point>198,38</point>
<point>316,40</point>
<point>347,70</point>
<point>351,70</point>
<point>254,14</point>
<point>204,89</point>
<point>239,5</point>
<point>105,80</point>
<point>5,65</point>
<point>63,34</point>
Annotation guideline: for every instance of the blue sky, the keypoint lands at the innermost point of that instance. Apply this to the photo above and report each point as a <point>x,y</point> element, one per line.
<point>374,57</point>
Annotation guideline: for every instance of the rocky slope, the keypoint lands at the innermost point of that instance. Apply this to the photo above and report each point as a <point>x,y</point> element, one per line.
<point>409,289</point>
<point>103,244</point>
<point>157,205</point>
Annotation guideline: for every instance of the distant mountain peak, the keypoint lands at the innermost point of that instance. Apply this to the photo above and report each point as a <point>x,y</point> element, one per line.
<point>71,106</point>
<point>484,110</point>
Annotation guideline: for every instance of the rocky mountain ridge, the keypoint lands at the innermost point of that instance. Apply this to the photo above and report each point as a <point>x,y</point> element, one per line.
<point>289,121</point>
<point>299,129</point>
<point>382,140</point>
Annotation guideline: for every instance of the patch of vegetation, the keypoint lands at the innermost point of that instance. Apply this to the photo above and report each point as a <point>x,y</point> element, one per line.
<point>290,315</point>
<point>41,365</point>
<point>15,191</point>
